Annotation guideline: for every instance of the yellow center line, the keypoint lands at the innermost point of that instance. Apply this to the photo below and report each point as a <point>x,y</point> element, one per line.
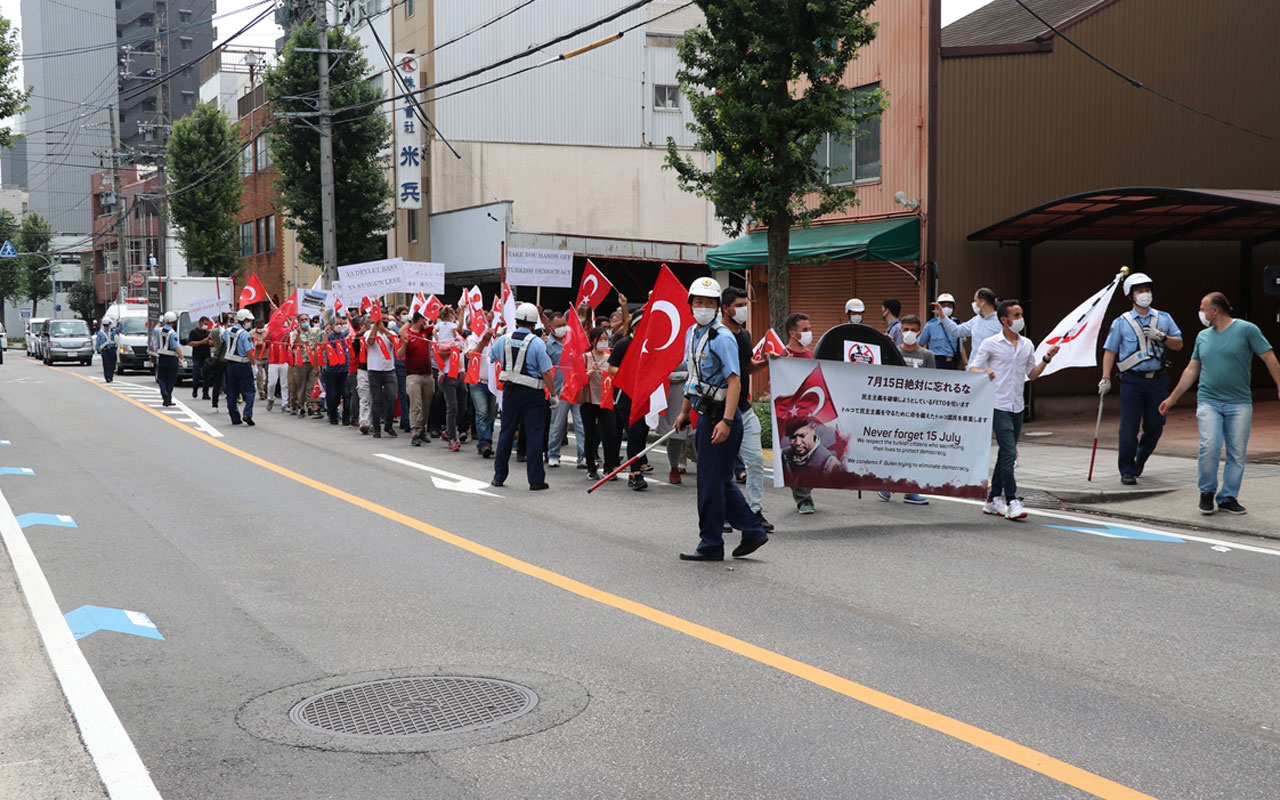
<point>997,745</point>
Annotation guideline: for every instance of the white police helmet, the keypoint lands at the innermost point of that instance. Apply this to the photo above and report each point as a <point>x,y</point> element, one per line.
<point>1136,279</point>
<point>527,312</point>
<point>705,287</point>
<point>855,306</point>
<point>107,322</point>
<point>244,315</point>
<point>946,297</point>
<point>169,317</point>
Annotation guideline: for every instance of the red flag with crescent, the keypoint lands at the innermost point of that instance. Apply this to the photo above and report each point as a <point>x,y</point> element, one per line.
<point>253,291</point>
<point>811,401</point>
<point>657,347</point>
<point>769,344</point>
<point>594,287</point>
<point>432,309</point>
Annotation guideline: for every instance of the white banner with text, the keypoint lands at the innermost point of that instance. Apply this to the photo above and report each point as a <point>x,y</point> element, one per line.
<point>550,268</point>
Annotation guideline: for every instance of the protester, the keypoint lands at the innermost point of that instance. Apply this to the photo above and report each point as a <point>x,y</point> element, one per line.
<point>853,311</point>
<point>106,345</point>
<point>799,337</point>
<point>984,324</point>
<point>916,357</point>
<point>736,311</point>
<point>946,349</point>
<point>636,434</point>
<point>599,423</point>
<point>338,355</point>
<point>415,353</point>
<point>448,347</point>
<point>1222,361</point>
<point>483,400</point>
<point>890,311</point>
<point>358,414</point>
<point>1008,359</point>
<point>277,369</point>
<point>218,371</point>
<point>559,329</point>
<point>403,319</point>
<point>303,374</point>
<point>526,372</point>
<point>379,346</point>
<point>198,339</point>
<point>1136,345</point>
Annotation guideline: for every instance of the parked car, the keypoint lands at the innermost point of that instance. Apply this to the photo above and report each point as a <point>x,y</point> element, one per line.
<point>33,336</point>
<point>66,340</point>
<point>4,338</point>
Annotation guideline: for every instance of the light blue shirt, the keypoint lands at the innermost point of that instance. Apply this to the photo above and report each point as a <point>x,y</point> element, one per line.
<point>171,339</point>
<point>555,349</point>
<point>976,329</point>
<point>936,340</point>
<point>105,340</point>
<point>1122,341</point>
<point>536,360</point>
<point>243,344</point>
<point>719,358</point>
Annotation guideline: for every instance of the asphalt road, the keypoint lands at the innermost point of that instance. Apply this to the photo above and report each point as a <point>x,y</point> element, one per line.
<point>873,650</point>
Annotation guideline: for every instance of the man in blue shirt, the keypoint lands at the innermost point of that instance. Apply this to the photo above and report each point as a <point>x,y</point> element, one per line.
<point>1136,345</point>
<point>106,345</point>
<point>239,375</point>
<point>1223,363</point>
<point>984,323</point>
<point>525,374</point>
<point>168,351</point>
<point>890,311</point>
<point>935,339</point>
<point>714,383</point>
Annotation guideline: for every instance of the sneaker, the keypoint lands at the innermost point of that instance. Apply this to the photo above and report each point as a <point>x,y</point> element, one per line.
<point>1016,511</point>
<point>805,507</point>
<point>455,446</point>
<point>487,452</point>
<point>377,433</point>
<point>916,500</point>
<point>1231,506</point>
<point>884,496</point>
<point>674,477</point>
<point>592,475</point>
<point>416,441</point>
<point>1128,480</point>
<point>553,462</point>
<point>637,482</point>
<point>391,432</point>
<point>271,403</point>
<point>364,429</point>
<point>1206,503</point>
<point>764,523</point>
<point>995,506</point>
<point>248,421</point>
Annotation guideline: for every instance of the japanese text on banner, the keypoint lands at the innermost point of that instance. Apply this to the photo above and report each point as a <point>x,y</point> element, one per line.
<point>408,154</point>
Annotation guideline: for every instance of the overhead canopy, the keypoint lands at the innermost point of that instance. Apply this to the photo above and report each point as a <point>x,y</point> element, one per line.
<point>1146,215</point>
<point>885,240</point>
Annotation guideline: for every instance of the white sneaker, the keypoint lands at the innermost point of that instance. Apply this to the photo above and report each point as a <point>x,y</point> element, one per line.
<point>1016,511</point>
<point>995,506</point>
<point>553,462</point>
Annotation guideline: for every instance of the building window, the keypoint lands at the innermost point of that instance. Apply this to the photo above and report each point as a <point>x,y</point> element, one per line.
<point>666,97</point>
<point>856,160</point>
<point>188,98</point>
<point>246,239</point>
<point>269,229</point>
<point>408,8</point>
<point>411,224</point>
<point>187,72</point>
<point>185,42</point>
<point>246,161</point>
<point>260,224</point>
<point>263,143</point>
<point>184,15</point>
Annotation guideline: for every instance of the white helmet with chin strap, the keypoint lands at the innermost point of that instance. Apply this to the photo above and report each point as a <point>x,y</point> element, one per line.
<point>706,287</point>
<point>1134,280</point>
<point>855,306</point>
<point>107,322</point>
<point>244,315</point>
<point>527,313</point>
<point>169,318</point>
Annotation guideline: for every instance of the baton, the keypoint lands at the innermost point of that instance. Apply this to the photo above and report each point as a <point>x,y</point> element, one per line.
<point>1096,430</point>
<point>629,461</point>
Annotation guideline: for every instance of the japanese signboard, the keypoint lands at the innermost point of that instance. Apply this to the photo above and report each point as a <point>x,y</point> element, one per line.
<point>426,277</point>
<point>408,151</point>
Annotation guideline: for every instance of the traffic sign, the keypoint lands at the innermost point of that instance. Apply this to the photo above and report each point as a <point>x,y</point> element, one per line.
<point>136,279</point>
<point>25,313</point>
<point>8,251</point>
<point>58,307</point>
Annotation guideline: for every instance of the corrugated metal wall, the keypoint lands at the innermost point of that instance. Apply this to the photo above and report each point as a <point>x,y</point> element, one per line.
<point>661,63</point>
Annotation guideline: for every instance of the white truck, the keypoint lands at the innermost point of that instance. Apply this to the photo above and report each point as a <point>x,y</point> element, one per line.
<point>176,294</point>
<point>130,319</point>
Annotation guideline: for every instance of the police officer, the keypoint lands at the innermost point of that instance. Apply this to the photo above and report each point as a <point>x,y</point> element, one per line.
<point>106,345</point>
<point>1136,346</point>
<point>715,381</point>
<point>168,351</point>
<point>526,372</point>
<point>239,349</point>
<point>853,311</point>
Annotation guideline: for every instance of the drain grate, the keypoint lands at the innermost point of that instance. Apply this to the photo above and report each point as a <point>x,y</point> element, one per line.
<point>420,706</point>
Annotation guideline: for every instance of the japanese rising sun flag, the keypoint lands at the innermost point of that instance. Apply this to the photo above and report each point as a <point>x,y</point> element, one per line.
<point>1077,334</point>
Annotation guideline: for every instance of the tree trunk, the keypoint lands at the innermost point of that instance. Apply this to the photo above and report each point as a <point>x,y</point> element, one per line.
<point>779,237</point>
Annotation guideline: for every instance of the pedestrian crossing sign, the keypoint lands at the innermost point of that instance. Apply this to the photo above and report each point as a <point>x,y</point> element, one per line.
<point>7,251</point>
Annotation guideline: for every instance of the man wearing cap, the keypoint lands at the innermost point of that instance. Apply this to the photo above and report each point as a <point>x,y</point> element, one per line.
<point>1136,345</point>
<point>934,338</point>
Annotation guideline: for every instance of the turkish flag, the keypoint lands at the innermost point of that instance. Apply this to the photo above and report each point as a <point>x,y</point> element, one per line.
<point>594,287</point>
<point>473,369</point>
<point>375,312</point>
<point>572,364</point>
<point>419,303</point>
<point>769,344</point>
<point>658,344</point>
<point>606,392</point>
<point>253,291</point>
<point>811,401</point>
<point>365,304</point>
<point>432,308</point>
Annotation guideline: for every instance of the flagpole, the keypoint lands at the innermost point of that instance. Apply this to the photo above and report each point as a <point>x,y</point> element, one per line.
<point>629,461</point>
<point>1097,429</point>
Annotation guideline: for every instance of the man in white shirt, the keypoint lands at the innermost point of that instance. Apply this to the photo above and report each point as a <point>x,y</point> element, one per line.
<point>1009,359</point>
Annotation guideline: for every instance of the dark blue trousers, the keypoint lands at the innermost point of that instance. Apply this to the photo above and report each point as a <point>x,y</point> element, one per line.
<point>527,408</point>
<point>719,498</point>
<point>108,364</point>
<point>240,384</point>
<point>335,390</point>
<point>167,376</point>
<point>1140,400</point>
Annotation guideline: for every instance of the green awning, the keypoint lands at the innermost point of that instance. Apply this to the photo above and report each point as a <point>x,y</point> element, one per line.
<point>884,240</point>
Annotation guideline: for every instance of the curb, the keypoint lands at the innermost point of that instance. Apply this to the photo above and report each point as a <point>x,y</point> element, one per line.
<point>1172,521</point>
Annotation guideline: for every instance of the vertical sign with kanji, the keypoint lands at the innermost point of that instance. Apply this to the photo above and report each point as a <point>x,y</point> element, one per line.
<point>408,154</point>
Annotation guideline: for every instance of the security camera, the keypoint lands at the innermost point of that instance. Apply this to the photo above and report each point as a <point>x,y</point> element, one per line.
<point>901,199</point>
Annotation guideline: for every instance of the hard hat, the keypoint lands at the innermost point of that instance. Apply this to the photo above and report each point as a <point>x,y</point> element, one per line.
<point>946,297</point>
<point>705,287</point>
<point>855,306</point>
<point>527,312</point>
<point>1136,279</point>
<point>169,316</point>
<point>107,322</point>
<point>244,315</point>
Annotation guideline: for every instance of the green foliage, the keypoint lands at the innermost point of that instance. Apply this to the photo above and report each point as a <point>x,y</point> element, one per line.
<point>13,101</point>
<point>10,269</point>
<point>765,415</point>
<point>82,298</point>
<point>34,236</point>
<point>763,78</point>
<point>362,195</point>
<point>205,189</point>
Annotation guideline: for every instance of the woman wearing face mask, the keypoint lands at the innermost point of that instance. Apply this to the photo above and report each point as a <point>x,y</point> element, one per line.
<point>599,423</point>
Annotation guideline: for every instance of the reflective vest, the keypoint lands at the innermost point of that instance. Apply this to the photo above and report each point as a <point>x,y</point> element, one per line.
<point>513,355</point>
<point>1147,348</point>
<point>695,384</point>
<point>166,336</point>
<point>233,344</point>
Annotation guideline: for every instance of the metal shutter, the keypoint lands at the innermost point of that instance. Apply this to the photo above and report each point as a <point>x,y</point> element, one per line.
<point>875,281</point>
<point>821,293</point>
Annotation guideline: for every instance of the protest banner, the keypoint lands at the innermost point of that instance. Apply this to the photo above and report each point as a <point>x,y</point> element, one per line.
<point>863,426</point>
<point>371,279</point>
<point>861,353</point>
<point>312,301</point>
<point>529,267</point>
<point>423,277</point>
<point>209,307</point>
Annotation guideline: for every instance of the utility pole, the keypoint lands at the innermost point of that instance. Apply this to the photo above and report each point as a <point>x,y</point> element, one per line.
<point>327,230</point>
<point>162,64</point>
<point>121,211</point>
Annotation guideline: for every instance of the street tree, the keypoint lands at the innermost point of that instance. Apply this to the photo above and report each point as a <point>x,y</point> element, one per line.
<point>13,100</point>
<point>764,83</point>
<point>10,269</point>
<point>82,298</point>
<point>361,131</point>
<point>34,236</point>
<point>205,189</point>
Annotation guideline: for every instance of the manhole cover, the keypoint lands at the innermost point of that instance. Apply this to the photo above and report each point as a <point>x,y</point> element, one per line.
<point>421,706</point>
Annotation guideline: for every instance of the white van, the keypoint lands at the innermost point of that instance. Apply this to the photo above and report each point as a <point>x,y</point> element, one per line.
<point>130,319</point>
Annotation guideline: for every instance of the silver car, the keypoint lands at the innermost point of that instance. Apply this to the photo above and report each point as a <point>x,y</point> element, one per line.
<point>33,335</point>
<point>66,340</point>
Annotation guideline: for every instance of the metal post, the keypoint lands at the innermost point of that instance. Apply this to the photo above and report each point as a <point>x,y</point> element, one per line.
<point>162,63</point>
<point>327,231</point>
<point>121,212</point>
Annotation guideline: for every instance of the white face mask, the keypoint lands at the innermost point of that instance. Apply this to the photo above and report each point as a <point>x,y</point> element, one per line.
<point>740,315</point>
<point>909,338</point>
<point>602,345</point>
<point>1018,325</point>
<point>1204,320</point>
<point>1142,300</point>
<point>561,331</point>
<point>947,311</point>
<point>806,337</point>
<point>704,316</point>
<point>855,319</point>
<point>976,308</point>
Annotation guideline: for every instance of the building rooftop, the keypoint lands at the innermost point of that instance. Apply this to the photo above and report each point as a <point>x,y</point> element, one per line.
<point>1004,22</point>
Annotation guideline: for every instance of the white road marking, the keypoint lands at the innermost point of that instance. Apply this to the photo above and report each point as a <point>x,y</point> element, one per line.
<point>445,480</point>
<point>119,765</point>
<point>145,394</point>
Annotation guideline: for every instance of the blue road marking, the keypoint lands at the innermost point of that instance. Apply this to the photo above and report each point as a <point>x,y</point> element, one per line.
<point>4,442</point>
<point>17,471</point>
<point>91,619</point>
<point>56,520</point>
<point>1110,531</point>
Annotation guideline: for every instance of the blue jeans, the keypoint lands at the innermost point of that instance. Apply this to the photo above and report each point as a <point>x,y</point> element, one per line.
<point>560,421</point>
<point>1007,426</point>
<point>1223,425</point>
<point>1140,403</point>
<point>486,409</point>
<point>753,457</point>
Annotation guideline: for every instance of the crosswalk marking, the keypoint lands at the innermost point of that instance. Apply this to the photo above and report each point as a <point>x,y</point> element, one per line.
<point>150,396</point>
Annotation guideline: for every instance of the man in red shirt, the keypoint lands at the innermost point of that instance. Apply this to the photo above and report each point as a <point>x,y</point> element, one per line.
<point>415,352</point>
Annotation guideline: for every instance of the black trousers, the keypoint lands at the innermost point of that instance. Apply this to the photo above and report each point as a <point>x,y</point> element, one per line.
<point>217,377</point>
<point>637,435</point>
<point>599,425</point>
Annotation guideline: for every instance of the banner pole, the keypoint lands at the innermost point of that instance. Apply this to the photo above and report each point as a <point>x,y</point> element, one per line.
<point>1097,429</point>
<point>629,461</point>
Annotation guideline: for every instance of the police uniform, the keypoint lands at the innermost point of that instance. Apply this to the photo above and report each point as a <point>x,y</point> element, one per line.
<point>167,348</point>
<point>1143,383</point>
<point>711,354</point>
<point>524,359</point>
<point>944,346</point>
<point>239,373</point>
<point>107,347</point>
